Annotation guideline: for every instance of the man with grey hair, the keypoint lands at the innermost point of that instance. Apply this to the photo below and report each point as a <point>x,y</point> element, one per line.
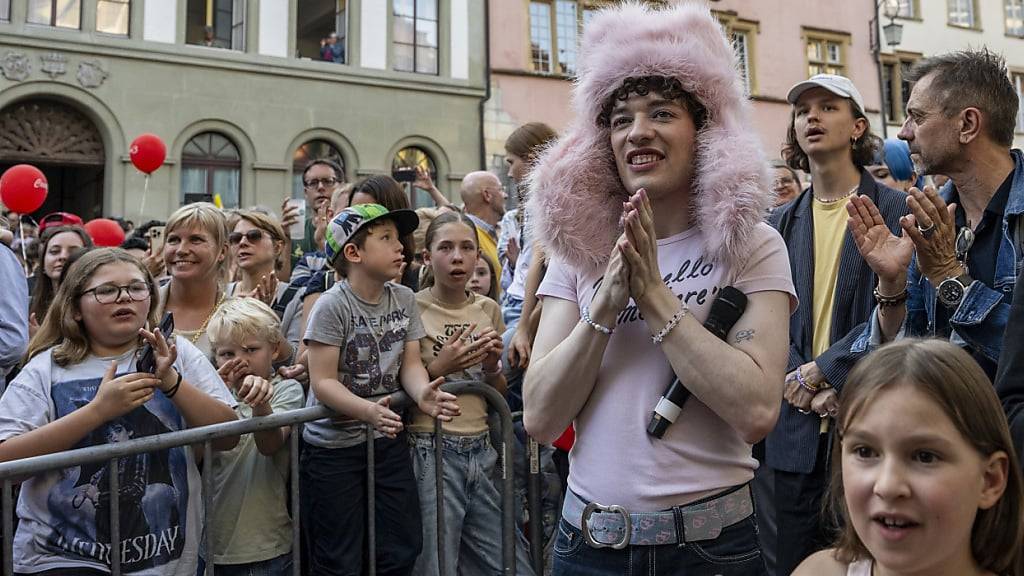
<point>953,271</point>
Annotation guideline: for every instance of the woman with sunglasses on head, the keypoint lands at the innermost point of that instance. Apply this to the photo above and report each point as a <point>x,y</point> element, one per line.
<point>256,242</point>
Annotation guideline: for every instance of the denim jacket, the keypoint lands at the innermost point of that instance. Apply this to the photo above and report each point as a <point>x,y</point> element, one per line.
<point>980,320</point>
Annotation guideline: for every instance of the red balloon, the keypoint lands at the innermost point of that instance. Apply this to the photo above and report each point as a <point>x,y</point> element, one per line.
<point>147,153</point>
<point>105,232</point>
<point>23,188</point>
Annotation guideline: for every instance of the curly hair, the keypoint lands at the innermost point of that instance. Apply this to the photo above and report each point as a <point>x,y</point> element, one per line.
<point>864,148</point>
<point>668,88</point>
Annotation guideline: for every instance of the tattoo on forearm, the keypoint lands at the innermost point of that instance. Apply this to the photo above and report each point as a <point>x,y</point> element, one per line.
<point>745,336</point>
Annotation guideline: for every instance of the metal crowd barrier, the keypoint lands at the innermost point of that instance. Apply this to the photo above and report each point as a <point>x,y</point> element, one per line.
<point>17,469</point>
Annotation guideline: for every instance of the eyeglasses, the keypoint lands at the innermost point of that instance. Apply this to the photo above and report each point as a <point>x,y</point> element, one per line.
<point>314,183</point>
<point>109,293</point>
<point>253,236</point>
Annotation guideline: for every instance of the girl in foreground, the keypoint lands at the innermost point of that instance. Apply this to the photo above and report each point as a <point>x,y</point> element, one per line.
<point>925,477</point>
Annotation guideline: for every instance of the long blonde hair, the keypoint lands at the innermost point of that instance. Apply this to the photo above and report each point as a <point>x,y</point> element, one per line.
<point>59,329</point>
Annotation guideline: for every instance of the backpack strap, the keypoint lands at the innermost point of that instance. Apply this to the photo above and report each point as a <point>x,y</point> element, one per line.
<point>281,303</point>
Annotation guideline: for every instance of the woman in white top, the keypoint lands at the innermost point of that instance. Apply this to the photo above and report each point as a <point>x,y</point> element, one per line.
<point>925,478</point>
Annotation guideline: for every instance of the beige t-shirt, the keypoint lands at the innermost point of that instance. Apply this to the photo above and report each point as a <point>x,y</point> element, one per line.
<point>440,321</point>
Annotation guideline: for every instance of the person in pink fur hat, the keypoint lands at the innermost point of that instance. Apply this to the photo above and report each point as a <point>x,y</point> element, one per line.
<point>650,204</point>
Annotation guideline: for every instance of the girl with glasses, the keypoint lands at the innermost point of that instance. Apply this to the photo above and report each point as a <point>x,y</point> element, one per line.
<point>81,387</point>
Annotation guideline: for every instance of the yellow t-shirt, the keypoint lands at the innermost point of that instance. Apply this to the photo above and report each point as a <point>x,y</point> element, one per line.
<point>440,321</point>
<point>829,231</point>
<point>489,248</point>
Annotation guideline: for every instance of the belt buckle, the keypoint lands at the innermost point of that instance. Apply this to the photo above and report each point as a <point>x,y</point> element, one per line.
<point>615,509</point>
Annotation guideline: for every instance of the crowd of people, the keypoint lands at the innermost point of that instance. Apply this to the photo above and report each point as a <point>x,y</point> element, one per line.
<point>834,368</point>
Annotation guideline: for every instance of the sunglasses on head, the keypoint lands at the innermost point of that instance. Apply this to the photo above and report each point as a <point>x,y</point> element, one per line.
<point>253,236</point>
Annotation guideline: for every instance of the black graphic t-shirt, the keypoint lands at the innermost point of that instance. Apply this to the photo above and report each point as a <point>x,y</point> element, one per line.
<point>65,514</point>
<point>372,339</point>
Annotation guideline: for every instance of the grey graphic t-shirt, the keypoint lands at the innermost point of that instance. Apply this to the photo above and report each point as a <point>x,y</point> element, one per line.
<point>372,339</point>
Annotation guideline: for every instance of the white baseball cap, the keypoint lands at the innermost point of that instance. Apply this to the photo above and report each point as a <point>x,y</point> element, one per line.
<point>838,85</point>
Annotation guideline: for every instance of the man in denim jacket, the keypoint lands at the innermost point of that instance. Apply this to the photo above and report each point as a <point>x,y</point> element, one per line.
<point>962,244</point>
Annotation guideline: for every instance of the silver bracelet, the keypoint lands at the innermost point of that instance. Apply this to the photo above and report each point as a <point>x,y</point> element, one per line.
<point>672,323</point>
<point>588,320</point>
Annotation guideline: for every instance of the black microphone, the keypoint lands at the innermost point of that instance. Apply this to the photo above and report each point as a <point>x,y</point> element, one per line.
<point>725,312</point>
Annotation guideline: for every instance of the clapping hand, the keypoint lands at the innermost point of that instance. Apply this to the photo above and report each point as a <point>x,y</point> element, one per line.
<point>265,289</point>
<point>932,228</point>
<point>887,255</point>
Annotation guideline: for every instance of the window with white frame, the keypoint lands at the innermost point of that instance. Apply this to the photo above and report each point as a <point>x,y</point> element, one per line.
<point>826,53</point>
<point>961,13</point>
<point>211,165</point>
<point>216,23</point>
<point>321,30</point>
<point>540,36</point>
<point>1018,83</point>
<point>5,10</point>
<point>1014,17</point>
<point>742,34</point>
<point>741,44</point>
<point>112,16</point>
<point>415,36</point>
<point>56,13</point>
<point>907,9</point>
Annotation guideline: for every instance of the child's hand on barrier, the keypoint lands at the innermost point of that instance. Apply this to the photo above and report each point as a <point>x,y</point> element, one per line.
<point>256,392</point>
<point>119,395</point>
<point>380,416</point>
<point>439,404</point>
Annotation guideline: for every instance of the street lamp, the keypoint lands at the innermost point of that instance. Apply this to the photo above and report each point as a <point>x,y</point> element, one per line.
<point>893,32</point>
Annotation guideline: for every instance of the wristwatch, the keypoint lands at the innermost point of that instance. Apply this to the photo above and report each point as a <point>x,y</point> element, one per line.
<point>951,290</point>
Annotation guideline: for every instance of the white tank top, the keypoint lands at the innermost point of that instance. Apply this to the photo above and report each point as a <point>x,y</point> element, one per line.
<point>859,568</point>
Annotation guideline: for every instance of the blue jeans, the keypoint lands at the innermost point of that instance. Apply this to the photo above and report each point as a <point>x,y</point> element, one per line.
<point>734,553</point>
<point>280,566</point>
<point>472,508</point>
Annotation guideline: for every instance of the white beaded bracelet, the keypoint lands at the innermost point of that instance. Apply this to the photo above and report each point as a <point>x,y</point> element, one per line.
<point>585,317</point>
<point>672,323</point>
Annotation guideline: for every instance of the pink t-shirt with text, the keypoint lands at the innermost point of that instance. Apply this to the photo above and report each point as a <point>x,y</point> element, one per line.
<point>614,461</point>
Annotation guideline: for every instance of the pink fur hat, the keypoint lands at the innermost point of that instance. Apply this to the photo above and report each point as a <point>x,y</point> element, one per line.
<point>575,198</point>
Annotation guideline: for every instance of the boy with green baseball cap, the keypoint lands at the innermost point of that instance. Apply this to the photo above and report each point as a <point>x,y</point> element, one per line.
<point>363,340</point>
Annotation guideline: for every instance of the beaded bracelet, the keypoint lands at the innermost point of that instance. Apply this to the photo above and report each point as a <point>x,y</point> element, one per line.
<point>804,383</point>
<point>585,317</point>
<point>672,323</point>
